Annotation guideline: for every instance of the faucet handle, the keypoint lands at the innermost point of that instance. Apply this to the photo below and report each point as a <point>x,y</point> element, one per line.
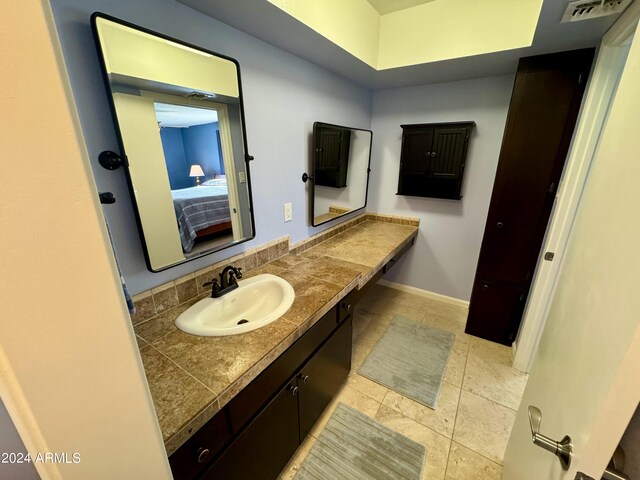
<point>215,286</point>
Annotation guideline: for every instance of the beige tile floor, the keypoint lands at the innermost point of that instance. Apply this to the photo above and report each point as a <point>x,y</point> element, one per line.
<point>467,433</point>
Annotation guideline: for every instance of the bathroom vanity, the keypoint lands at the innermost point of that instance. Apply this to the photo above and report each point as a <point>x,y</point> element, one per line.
<point>266,389</point>
<point>270,417</point>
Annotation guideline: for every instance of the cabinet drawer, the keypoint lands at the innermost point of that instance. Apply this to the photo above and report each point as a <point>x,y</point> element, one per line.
<point>255,395</point>
<point>200,449</point>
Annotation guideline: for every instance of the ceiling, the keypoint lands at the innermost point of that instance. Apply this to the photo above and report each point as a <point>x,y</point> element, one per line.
<point>262,19</point>
<point>182,116</point>
<point>388,6</point>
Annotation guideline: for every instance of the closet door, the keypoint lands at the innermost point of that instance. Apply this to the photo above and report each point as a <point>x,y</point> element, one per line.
<point>542,115</point>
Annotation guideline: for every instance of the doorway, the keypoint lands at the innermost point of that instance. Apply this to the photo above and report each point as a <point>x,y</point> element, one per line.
<point>600,93</point>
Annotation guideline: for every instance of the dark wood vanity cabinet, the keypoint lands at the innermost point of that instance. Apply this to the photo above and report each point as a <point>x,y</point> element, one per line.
<point>433,158</point>
<point>255,435</point>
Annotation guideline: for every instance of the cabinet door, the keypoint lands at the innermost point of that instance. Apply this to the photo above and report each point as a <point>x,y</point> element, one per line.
<point>323,375</point>
<point>416,151</point>
<point>495,311</point>
<point>329,165</point>
<point>200,449</point>
<point>447,153</point>
<point>264,448</point>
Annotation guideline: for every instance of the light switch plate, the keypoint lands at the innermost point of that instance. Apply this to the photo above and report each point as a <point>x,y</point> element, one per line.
<point>242,177</point>
<point>288,212</point>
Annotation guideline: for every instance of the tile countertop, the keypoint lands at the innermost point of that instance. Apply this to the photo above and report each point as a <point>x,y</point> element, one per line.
<point>191,377</point>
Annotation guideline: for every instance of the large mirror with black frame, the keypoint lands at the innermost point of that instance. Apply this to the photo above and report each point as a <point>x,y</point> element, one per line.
<point>179,117</point>
<point>341,158</point>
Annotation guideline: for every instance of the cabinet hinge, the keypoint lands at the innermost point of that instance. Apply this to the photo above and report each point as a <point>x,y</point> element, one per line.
<point>580,79</point>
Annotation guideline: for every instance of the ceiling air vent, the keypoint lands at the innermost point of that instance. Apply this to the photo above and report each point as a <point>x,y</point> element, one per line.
<point>586,10</point>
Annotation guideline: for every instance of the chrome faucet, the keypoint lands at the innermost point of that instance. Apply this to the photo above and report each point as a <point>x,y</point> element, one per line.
<point>228,281</point>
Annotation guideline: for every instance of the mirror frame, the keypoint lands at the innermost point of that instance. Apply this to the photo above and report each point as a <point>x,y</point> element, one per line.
<point>313,170</point>
<point>247,158</point>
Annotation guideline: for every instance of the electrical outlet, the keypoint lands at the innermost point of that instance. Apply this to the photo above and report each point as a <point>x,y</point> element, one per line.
<point>288,212</point>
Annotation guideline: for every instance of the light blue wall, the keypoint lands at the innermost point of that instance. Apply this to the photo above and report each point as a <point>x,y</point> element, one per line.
<point>283,96</point>
<point>445,256</point>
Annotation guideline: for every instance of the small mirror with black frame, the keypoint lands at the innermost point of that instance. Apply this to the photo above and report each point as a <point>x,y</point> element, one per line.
<point>180,123</point>
<point>341,159</point>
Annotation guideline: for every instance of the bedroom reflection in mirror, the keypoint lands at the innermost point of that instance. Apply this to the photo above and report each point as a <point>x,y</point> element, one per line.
<point>190,137</point>
<point>178,106</point>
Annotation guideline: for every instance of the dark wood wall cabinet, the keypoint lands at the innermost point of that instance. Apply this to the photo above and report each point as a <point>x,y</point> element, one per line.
<point>255,435</point>
<point>433,158</point>
<point>542,115</point>
<point>331,152</point>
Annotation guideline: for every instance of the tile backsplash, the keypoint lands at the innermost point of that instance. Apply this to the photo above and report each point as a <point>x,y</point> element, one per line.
<point>184,289</point>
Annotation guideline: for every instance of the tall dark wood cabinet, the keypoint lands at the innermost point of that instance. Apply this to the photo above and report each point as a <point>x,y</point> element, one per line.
<point>544,106</point>
<point>433,158</point>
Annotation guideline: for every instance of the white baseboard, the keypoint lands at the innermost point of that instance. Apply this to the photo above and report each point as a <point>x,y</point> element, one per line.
<point>423,293</point>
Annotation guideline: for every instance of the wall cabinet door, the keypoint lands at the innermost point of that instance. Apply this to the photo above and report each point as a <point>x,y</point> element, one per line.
<point>265,447</point>
<point>331,156</point>
<point>322,376</point>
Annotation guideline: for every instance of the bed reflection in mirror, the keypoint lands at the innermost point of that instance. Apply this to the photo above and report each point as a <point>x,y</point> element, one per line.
<point>341,157</point>
<point>190,139</point>
<point>180,122</point>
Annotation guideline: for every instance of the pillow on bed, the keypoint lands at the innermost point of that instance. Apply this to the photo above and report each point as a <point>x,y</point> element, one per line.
<point>216,182</point>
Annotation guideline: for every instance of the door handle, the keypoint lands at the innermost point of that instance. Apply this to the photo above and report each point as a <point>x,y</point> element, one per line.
<point>562,449</point>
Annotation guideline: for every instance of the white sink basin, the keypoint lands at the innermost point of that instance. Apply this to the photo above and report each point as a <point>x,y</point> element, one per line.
<point>259,300</point>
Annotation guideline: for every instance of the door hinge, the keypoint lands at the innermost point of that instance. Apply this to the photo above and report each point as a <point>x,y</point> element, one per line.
<point>548,256</point>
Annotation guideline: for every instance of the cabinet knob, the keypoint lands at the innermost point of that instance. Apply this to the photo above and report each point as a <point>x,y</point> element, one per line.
<point>303,378</point>
<point>347,306</point>
<point>500,225</point>
<point>485,287</point>
<point>293,389</point>
<point>202,453</point>
<point>433,154</point>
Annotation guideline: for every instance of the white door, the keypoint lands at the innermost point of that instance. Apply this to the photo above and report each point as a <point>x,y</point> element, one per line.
<point>585,378</point>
